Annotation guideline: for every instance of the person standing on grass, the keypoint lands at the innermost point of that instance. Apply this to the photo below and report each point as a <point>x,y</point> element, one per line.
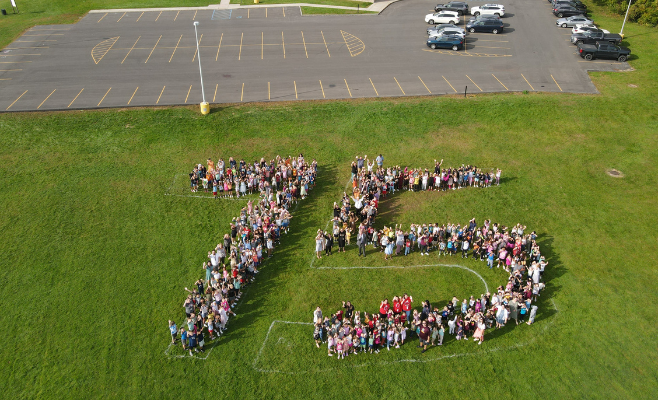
<point>361,242</point>
<point>533,314</point>
<point>183,338</point>
<point>173,330</point>
<point>319,241</point>
<point>406,306</point>
<point>479,332</point>
<point>424,335</point>
<point>514,310</point>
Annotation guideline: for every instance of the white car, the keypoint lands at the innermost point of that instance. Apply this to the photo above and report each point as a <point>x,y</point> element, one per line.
<point>489,9</point>
<point>443,17</point>
<point>448,32</point>
<point>582,28</point>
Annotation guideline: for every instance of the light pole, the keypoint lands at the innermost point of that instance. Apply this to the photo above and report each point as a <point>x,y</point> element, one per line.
<point>204,106</point>
<point>625,16</point>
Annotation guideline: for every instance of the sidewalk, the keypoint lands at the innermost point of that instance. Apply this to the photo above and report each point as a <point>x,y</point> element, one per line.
<point>225,4</point>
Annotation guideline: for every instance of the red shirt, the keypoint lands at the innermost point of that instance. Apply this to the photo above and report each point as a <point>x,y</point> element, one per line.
<point>384,308</point>
<point>397,306</point>
<point>406,304</point>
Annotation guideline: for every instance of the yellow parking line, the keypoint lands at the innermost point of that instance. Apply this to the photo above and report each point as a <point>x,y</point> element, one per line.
<point>14,62</point>
<point>215,95</point>
<point>158,101</point>
<point>428,89</point>
<point>444,78</point>
<point>242,94</point>
<point>261,45</point>
<point>176,15</point>
<point>373,86</point>
<point>321,88</point>
<point>500,81</point>
<point>8,70</point>
<point>75,98</point>
<point>5,79</point>
<point>240,53</point>
<point>295,83</point>
<point>124,14</point>
<point>153,49</point>
<point>131,49</point>
<point>396,81</point>
<point>20,48</point>
<point>558,86</point>
<point>304,44</point>
<point>194,17</point>
<point>131,97</point>
<point>526,81</point>
<point>265,12</point>
<point>46,34</point>
<point>268,91</point>
<point>220,46</point>
<point>175,48</point>
<point>325,44</point>
<point>104,15</point>
<point>19,97</point>
<point>348,87</point>
<point>283,43</point>
<point>248,9</point>
<point>476,85</point>
<point>284,11</point>
<point>140,16</point>
<point>195,51</point>
<point>188,94</point>
<point>158,17</point>
<point>99,103</point>
<point>36,40</point>
<point>51,93</point>
<point>18,55</point>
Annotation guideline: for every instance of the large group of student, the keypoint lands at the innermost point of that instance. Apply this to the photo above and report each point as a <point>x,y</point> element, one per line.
<point>234,262</point>
<point>512,248</point>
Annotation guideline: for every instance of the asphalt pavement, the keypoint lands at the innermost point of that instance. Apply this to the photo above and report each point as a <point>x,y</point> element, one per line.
<point>148,58</point>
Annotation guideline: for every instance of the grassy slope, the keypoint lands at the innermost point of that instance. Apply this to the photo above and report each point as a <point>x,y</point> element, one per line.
<point>94,256</point>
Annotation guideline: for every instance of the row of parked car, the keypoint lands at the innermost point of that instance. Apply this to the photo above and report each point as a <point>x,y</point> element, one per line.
<point>591,41</point>
<point>447,35</point>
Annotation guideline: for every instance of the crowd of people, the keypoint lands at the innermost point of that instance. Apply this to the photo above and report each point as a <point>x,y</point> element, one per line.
<point>512,248</point>
<point>234,262</point>
<point>355,214</point>
<point>239,178</point>
<point>348,331</point>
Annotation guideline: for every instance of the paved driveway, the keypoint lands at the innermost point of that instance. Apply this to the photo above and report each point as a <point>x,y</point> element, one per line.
<point>273,54</point>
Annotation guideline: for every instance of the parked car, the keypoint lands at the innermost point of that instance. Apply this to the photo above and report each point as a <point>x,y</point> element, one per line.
<point>580,28</point>
<point>459,6</point>
<point>593,37</point>
<point>576,4</point>
<point>481,17</point>
<point>443,17</point>
<point>448,32</point>
<point>486,25</point>
<point>566,11</point>
<point>570,22</point>
<point>436,28</point>
<point>445,42</point>
<point>603,50</point>
<point>489,9</point>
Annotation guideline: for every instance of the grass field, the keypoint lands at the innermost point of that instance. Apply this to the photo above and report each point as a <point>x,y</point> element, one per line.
<point>90,237</point>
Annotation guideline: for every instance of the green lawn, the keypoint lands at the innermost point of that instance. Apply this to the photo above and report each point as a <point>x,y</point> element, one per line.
<point>95,256</point>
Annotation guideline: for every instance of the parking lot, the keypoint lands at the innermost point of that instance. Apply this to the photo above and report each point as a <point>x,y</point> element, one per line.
<point>120,59</point>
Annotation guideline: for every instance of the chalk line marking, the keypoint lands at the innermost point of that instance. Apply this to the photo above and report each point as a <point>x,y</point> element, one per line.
<point>447,356</point>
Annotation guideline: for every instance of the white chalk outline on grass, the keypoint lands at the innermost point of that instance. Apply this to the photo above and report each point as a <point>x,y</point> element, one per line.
<point>455,355</point>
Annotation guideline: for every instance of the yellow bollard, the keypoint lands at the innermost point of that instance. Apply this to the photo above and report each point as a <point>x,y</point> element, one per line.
<point>255,1</point>
<point>205,108</point>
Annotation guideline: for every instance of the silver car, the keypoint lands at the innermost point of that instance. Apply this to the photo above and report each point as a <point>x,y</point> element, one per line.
<point>570,22</point>
<point>432,31</point>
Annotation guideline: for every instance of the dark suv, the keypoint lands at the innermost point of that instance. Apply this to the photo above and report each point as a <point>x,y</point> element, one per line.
<point>567,11</point>
<point>459,6</point>
<point>485,25</point>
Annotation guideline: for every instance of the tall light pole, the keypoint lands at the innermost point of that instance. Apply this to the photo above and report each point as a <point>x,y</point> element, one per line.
<point>204,106</point>
<point>625,16</point>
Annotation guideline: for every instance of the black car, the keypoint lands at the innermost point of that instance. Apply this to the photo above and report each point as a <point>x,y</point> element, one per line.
<point>566,3</point>
<point>485,25</point>
<point>567,11</point>
<point>575,3</point>
<point>459,6</point>
<point>483,17</point>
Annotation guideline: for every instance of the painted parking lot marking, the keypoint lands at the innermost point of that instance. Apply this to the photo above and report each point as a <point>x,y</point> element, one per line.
<point>353,43</point>
<point>19,97</point>
<point>466,54</point>
<point>476,85</point>
<point>99,103</point>
<point>558,86</point>
<point>444,78</point>
<point>396,81</point>
<point>75,98</point>
<point>131,97</point>
<point>499,81</point>
<point>421,81</point>
<point>348,88</point>
<point>322,88</point>
<point>131,49</point>
<point>153,49</point>
<point>104,15</point>
<point>373,86</point>
<point>175,48</point>
<point>158,101</point>
<point>44,100</point>
<point>527,82</point>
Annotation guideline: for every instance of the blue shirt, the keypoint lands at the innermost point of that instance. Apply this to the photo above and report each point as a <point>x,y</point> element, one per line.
<point>173,329</point>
